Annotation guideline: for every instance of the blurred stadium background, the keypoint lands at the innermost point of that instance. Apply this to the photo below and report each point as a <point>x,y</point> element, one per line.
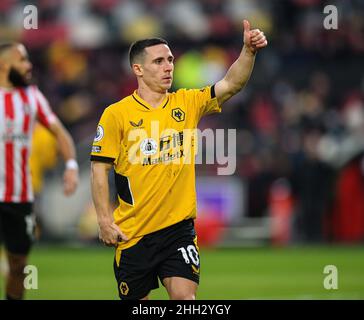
<point>296,200</point>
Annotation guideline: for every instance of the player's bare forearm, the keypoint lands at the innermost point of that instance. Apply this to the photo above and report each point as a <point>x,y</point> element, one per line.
<point>64,140</point>
<point>109,234</point>
<point>239,73</point>
<point>100,191</point>
<point>236,77</point>
<point>68,151</point>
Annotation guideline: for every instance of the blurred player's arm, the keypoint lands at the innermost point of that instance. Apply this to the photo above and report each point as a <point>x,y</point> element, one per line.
<point>110,233</point>
<point>240,71</point>
<point>67,149</point>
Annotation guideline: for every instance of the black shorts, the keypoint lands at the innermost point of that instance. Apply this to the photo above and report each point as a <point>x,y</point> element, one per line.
<point>170,252</point>
<point>17,227</point>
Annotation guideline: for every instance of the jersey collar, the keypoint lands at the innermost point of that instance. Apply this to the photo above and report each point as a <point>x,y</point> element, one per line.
<point>146,105</point>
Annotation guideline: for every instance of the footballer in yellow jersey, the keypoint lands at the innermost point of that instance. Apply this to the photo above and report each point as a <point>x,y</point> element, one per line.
<point>148,139</point>
<point>154,171</point>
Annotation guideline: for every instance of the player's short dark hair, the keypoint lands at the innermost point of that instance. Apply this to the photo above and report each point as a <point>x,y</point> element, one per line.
<point>137,48</point>
<point>7,45</point>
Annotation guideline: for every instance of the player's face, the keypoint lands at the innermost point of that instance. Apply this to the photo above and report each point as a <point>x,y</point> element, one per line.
<point>20,72</point>
<point>157,68</point>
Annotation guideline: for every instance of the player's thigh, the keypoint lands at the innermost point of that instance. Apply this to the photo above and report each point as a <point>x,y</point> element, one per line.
<point>135,272</point>
<point>180,288</point>
<point>180,268</point>
<point>18,226</point>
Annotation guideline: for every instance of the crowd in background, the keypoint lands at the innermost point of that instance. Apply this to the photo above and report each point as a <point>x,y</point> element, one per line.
<point>300,120</point>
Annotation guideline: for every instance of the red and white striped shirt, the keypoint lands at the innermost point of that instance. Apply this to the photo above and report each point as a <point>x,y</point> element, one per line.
<point>19,108</point>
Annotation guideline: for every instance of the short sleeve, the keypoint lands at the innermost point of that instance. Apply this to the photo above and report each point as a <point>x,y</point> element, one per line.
<point>106,144</point>
<point>45,114</point>
<point>204,100</point>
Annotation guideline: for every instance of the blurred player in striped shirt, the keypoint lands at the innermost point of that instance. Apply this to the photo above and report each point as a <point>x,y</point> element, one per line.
<point>21,105</point>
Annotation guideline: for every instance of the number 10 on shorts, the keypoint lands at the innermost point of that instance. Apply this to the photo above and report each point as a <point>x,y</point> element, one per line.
<point>190,254</point>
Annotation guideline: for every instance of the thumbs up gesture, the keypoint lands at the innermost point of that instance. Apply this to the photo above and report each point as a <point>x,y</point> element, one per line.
<point>253,39</point>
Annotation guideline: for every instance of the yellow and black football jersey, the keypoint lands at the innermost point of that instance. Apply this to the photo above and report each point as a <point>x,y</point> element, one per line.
<point>153,150</point>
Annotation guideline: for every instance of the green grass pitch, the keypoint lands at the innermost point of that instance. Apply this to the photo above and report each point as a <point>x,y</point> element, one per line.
<point>245,273</point>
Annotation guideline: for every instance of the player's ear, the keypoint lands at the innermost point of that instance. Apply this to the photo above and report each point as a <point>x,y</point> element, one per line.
<point>4,64</point>
<point>137,69</point>
<point>5,60</point>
